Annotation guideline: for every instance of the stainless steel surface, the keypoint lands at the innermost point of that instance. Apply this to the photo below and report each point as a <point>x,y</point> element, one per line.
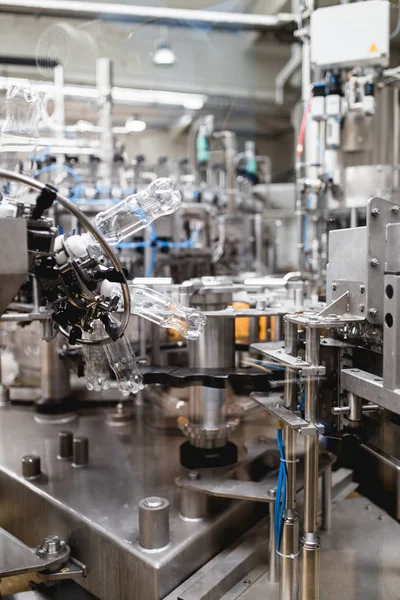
<point>139,14</point>
<point>153,523</point>
<point>17,558</point>
<point>55,374</point>
<point>232,567</point>
<point>14,259</point>
<point>346,267</point>
<point>362,182</point>
<point>95,510</point>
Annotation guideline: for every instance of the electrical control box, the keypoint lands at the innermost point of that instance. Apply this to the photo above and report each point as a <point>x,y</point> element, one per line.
<point>349,35</point>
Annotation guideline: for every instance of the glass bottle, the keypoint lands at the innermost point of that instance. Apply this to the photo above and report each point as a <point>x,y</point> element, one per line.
<point>19,136</point>
<point>122,361</point>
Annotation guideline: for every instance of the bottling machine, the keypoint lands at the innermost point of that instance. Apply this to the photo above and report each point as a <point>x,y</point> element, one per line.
<point>250,448</point>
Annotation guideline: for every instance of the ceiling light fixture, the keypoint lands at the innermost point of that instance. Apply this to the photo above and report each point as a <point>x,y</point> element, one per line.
<point>163,55</point>
<point>135,125</point>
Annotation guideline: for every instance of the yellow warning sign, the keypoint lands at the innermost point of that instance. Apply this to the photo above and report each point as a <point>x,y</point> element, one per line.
<point>373,48</point>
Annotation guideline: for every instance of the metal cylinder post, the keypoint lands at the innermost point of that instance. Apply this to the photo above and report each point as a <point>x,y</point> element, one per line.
<point>65,445</point>
<point>289,550</point>
<point>80,452</point>
<point>153,523</point>
<point>55,382</point>
<point>309,579</point>
<point>214,349</point>
<point>327,499</point>
<point>273,569</point>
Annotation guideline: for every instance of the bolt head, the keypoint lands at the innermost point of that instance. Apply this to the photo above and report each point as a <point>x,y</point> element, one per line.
<point>153,502</point>
<point>396,209</point>
<point>375,212</point>
<point>194,475</point>
<point>373,312</point>
<point>334,286</point>
<point>375,262</point>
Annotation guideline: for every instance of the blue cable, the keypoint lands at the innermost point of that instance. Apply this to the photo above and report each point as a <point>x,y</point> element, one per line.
<point>152,262</point>
<point>280,492</point>
<point>303,400</point>
<point>74,174</point>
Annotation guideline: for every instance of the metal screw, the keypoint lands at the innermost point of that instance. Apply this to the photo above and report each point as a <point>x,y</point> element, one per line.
<point>194,475</point>
<point>396,209</point>
<point>247,581</point>
<point>368,507</point>
<point>361,307</point>
<point>373,312</point>
<point>381,517</point>
<point>375,212</point>
<point>334,286</point>
<point>375,262</point>
<point>272,492</point>
<point>361,288</point>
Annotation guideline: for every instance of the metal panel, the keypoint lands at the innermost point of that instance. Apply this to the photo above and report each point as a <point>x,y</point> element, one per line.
<point>95,509</point>
<point>380,213</point>
<point>363,182</point>
<point>347,263</point>
<point>14,259</point>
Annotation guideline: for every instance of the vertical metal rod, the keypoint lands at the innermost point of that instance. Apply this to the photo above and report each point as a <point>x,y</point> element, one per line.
<point>36,297</point>
<point>396,133</point>
<point>327,499</point>
<point>309,581</point>
<point>290,536</point>
<point>273,570</point>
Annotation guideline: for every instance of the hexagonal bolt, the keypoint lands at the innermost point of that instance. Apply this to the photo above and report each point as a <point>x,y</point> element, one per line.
<point>396,209</point>
<point>334,286</point>
<point>373,312</point>
<point>375,262</point>
<point>51,544</point>
<point>375,212</point>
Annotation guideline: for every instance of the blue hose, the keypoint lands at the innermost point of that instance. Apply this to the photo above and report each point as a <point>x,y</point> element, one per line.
<point>280,492</point>
<point>74,174</point>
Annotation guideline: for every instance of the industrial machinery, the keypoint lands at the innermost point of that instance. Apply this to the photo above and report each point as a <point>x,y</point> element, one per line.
<point>194,424</point>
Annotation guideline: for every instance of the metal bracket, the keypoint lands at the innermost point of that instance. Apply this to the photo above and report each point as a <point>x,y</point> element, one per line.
<point>17,558</point>
<point>287,360</point>
<point>226,486</point>
<point>290,418</point>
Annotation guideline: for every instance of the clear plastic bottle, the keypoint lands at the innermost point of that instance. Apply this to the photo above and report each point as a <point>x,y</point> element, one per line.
<point>134,213</point>
<point>97,373</point>
<point>122,361</point>
<point>166,312</point>
<point>19,136</point>
<point>160,309</point>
